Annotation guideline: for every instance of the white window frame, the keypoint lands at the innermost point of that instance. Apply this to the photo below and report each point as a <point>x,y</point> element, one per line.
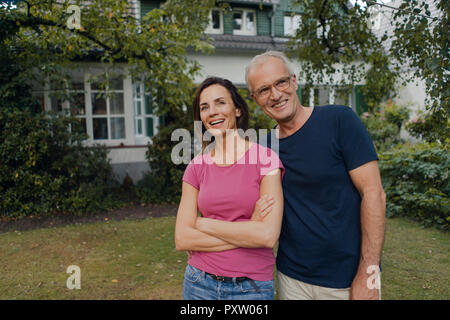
<point>80,116</point>
<point>243,30</point>
<point>210,28</point>
<point>90,116</point>
<point>294,23</point>
<point>139,94</point>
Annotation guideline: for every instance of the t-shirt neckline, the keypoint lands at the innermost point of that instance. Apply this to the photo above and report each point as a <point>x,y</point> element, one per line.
<point>234,163</point>
<point>303,126</point>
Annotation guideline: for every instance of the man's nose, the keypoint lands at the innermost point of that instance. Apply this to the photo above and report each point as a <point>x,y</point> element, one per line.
<point>274,93</point>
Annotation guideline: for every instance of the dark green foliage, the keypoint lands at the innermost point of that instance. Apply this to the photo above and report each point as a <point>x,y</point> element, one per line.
<point>163,183</point>
<point>430,126</point>
<point>396,114</point>
<point>415,179</point>
<point>44,167</point>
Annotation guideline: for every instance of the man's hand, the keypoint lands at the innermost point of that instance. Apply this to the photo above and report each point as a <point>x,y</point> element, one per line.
<point>263,207</point>
<point>366,285</point>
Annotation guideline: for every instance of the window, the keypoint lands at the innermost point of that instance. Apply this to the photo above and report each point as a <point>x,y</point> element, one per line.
<point>341,96</point>
<point>107,107</point>
<point>215,22</point>
<point>145,122</point>
<point>291,24</point>
<point>244,22</point>
<point>77,105</point>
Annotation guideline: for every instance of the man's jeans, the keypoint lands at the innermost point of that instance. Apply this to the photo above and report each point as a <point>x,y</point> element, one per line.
<point>200,286</point>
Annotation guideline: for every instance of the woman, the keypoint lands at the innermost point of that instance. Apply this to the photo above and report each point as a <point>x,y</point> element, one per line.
<point>237,189</point>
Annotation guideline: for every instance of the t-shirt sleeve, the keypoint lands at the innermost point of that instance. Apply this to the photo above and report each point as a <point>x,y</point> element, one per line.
<point>355,143</point>
<point>190,175</point>
<point>268,162</point>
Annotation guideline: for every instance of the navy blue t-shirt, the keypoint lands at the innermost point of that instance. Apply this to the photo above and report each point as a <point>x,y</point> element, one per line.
<point>320,239</point>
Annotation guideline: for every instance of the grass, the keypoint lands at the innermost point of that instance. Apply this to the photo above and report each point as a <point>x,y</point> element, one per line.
<point>136,259</point>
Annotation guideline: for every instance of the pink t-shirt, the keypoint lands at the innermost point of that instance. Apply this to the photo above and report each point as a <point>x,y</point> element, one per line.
<point>230,193</point>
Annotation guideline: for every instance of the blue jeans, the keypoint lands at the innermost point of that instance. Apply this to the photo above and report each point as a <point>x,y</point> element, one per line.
<point>200,286</point>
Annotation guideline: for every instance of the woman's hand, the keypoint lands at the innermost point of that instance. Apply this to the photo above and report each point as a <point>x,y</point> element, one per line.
<point>263,207</point>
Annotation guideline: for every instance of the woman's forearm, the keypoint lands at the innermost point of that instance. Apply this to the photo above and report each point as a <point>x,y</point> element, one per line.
<point>246,234</point>
<point>196,240</point>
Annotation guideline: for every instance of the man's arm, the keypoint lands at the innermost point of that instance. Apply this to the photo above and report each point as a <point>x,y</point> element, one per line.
<point>367,180</point>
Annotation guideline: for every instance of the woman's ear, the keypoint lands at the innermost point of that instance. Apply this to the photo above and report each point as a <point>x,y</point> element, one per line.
<point>238,113</point>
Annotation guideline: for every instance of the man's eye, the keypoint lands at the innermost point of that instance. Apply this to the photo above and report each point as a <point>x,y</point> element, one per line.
<point>281,82</point>
<point>263,90</point>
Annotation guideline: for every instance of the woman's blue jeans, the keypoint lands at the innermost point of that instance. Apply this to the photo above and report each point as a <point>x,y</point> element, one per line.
<point>200,286</point>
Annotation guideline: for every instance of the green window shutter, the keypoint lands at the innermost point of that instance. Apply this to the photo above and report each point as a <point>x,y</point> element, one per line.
<point>263,23</point>
<point>148,5</point>
<point>279,23</point>
<point>162,121</point>
<point>149,127</point>
<point>228,22</point>
<point>360,101</point>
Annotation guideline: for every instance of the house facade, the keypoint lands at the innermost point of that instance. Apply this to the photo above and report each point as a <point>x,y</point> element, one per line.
<point>124,121</point>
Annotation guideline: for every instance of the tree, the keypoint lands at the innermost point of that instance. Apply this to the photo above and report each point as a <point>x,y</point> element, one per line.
<point>421,42</point>
<point>336,46</point>
<point>335,38</point>
<point>39,41</point>
<point>40,38</point>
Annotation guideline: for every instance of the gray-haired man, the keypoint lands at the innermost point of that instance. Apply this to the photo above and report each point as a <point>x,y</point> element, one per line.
<point>334,217</point>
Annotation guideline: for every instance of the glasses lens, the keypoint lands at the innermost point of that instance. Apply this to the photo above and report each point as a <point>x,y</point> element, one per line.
<point>282,84</point>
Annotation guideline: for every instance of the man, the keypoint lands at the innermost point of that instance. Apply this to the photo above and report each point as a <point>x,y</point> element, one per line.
<point>334,204</point>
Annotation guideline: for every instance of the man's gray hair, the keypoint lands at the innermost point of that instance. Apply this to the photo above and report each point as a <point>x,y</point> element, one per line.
<point>261,58</point>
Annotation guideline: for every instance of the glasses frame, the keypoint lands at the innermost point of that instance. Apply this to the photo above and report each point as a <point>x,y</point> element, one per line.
<point>256,95</point>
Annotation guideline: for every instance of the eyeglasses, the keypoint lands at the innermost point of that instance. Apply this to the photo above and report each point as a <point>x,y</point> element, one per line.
<point>281,85</point>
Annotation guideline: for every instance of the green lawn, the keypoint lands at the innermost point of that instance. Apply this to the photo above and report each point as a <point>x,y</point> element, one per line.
<point>136,259</point>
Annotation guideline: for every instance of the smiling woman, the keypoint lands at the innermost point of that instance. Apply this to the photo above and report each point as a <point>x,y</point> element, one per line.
<point>240,201</point>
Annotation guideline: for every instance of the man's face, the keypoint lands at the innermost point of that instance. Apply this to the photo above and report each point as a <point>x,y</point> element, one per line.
<point>280,105</point>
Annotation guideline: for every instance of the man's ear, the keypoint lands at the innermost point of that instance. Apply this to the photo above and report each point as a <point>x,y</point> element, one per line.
<point>294,79</point>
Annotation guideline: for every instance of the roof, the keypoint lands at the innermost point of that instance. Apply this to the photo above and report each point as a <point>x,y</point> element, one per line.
<point>258,2</point>
<point>228,41</point>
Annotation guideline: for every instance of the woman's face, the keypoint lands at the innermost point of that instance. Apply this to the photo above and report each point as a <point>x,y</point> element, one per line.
<point>217,110</point>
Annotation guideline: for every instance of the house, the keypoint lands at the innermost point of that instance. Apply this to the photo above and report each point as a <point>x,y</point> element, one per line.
<point>124,122</point>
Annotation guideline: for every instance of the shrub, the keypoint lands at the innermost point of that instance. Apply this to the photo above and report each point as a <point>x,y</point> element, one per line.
<point>163,183</point>
<point>383,133</point>
<point>384,125</point>
<point>415,179</point>
<point>395,114</point>
<point>45,168</point>
<point>430,126</point>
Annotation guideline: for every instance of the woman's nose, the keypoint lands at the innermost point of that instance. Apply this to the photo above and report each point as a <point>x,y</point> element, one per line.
<point>212,110</point>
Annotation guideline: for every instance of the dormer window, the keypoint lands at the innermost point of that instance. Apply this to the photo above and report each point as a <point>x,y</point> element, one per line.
<point>215,22</point>
<point>244,22</point>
